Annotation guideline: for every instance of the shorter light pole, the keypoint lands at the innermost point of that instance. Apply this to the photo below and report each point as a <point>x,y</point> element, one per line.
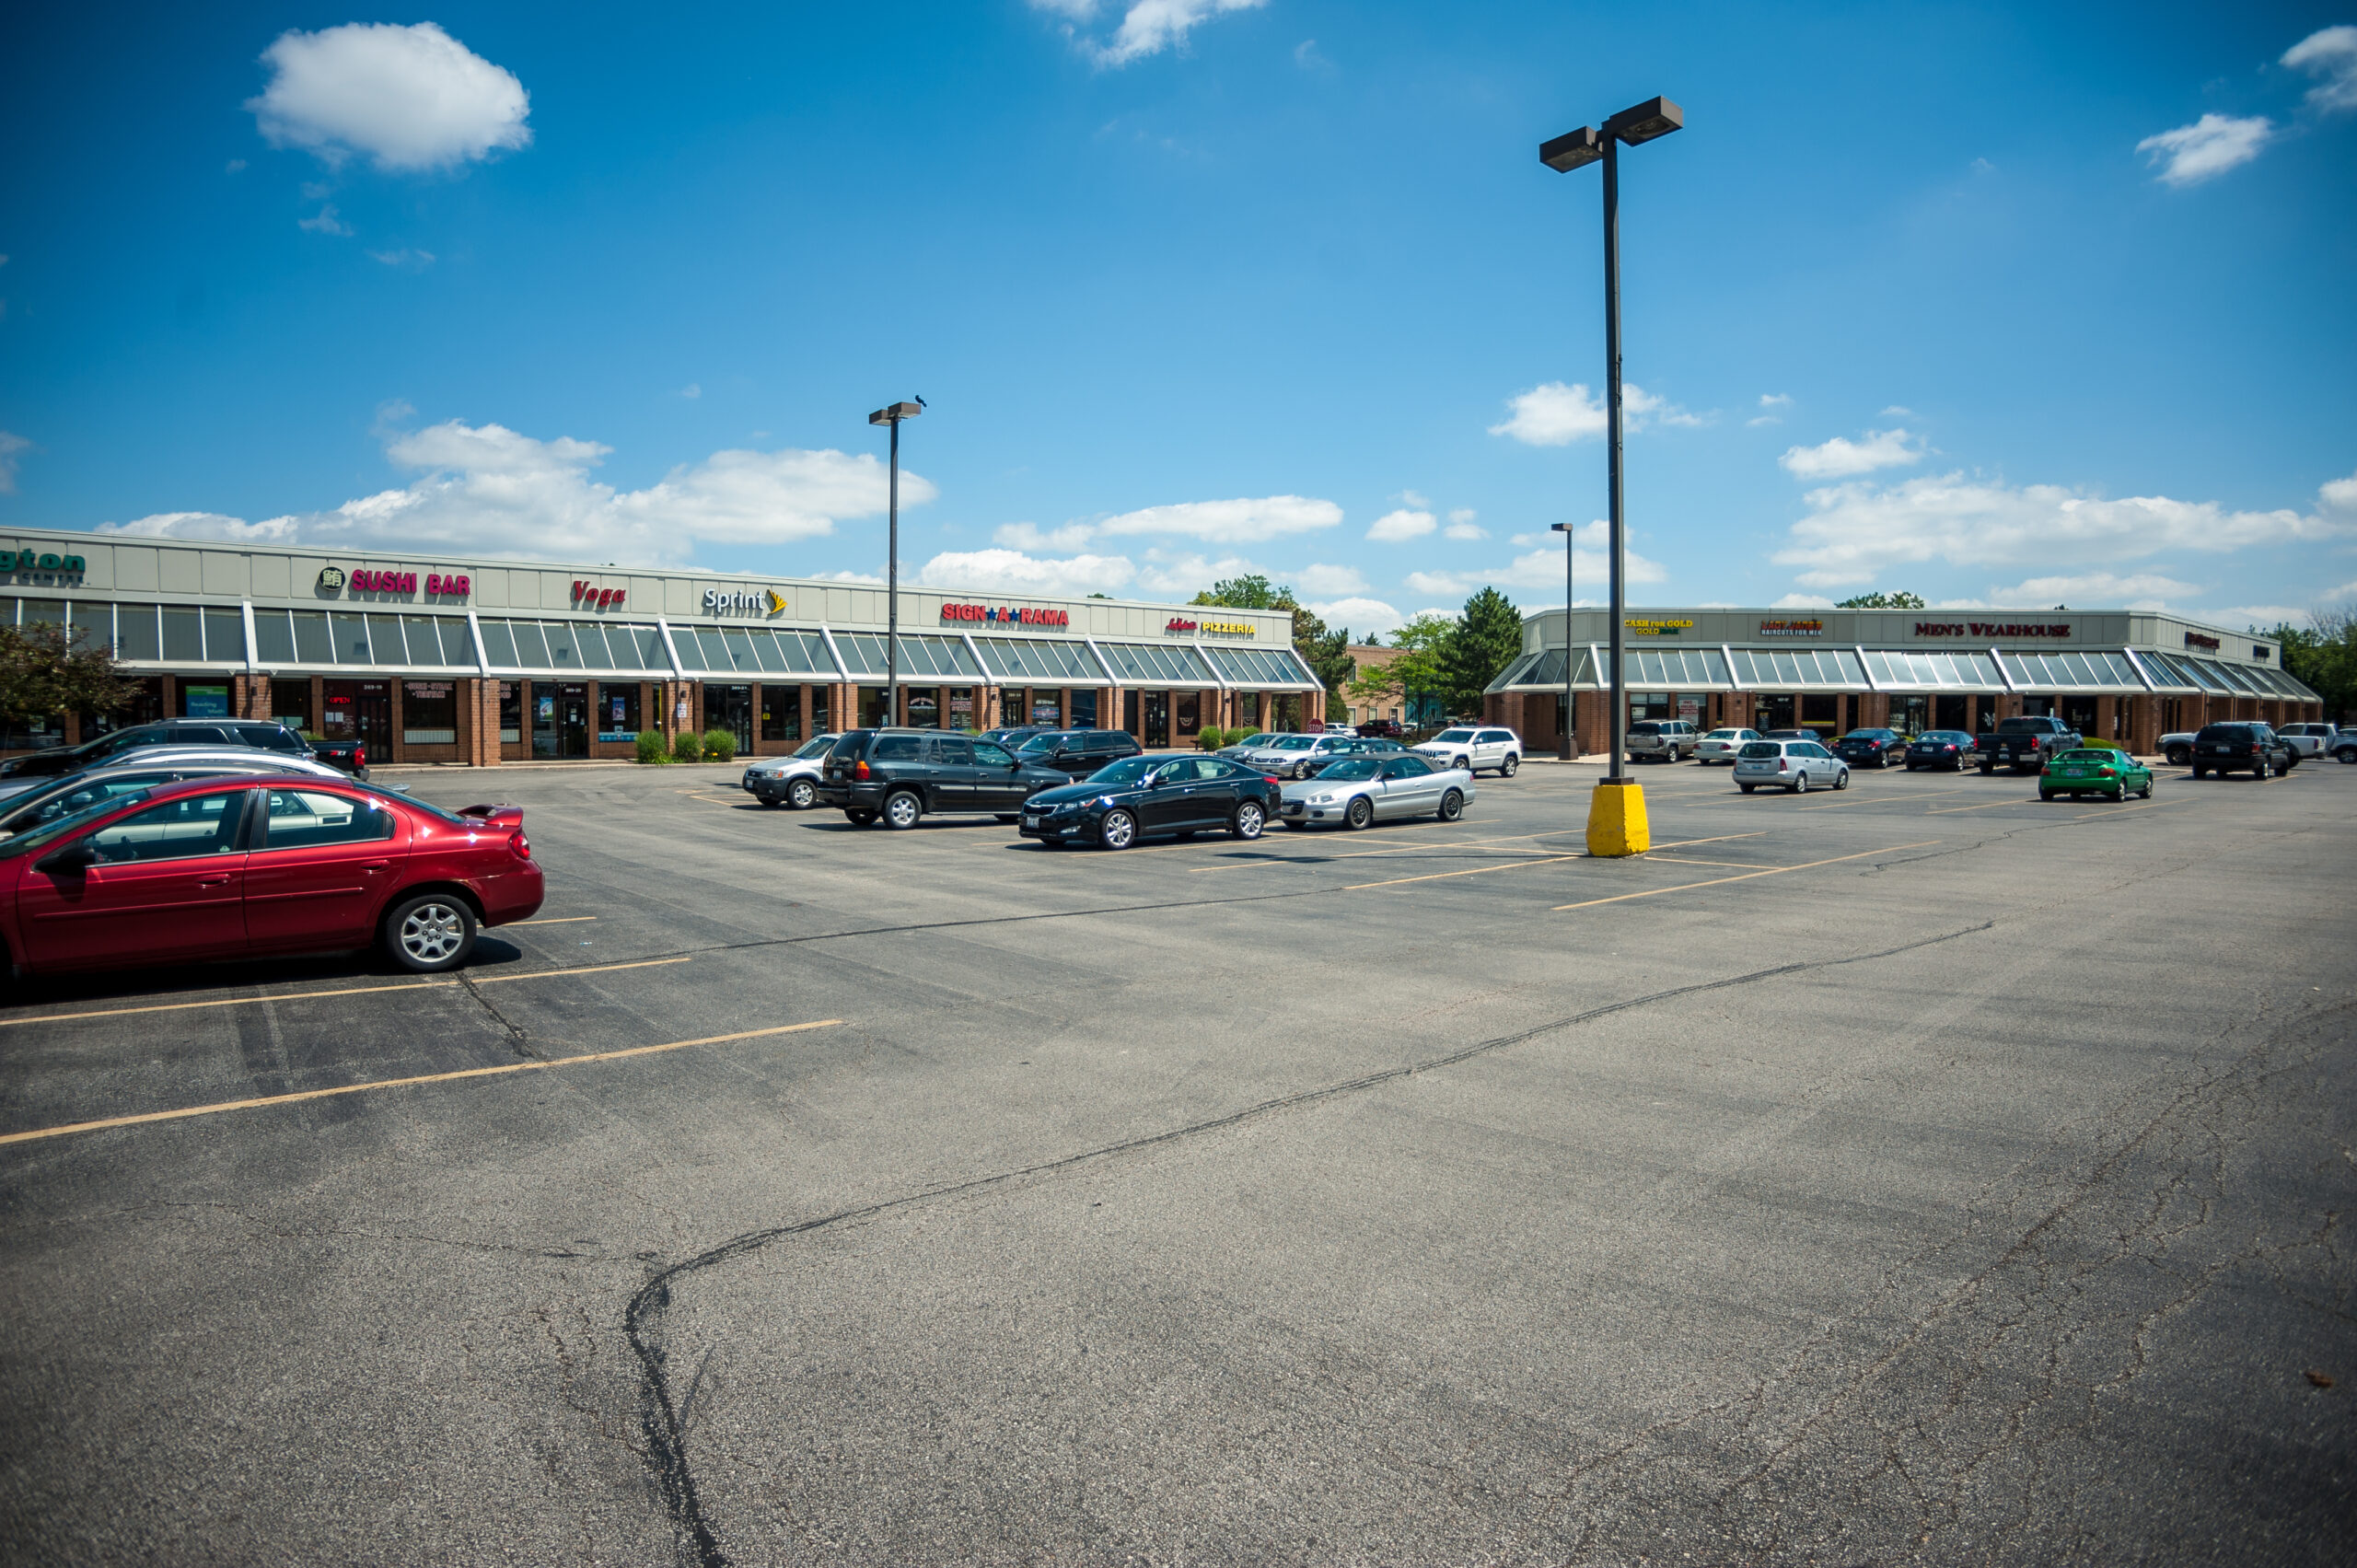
<point>1569,748</point>
<point>893,416</point>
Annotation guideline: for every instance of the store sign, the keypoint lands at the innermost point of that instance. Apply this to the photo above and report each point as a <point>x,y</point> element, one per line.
<point>590,596</point>
<point>1179,627</point>
<point>2196,640</point>
<point>40,563</point>
<point>1992,628</point>
<point>1792,628</point>
<point>1002,615</point>
<point>372,580</point>
<point>743,601</point>
<point>1648,627</point>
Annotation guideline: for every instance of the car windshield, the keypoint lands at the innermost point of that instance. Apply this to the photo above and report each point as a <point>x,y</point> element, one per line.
<point>1048,742</point>
<point>1871,735</point>
<point>48,834</point>
<point>1253,739</point>
<point>1756,748</point>
<point>1352,768</point>
<point>817,747</point>
<point>2084,757</point>
<point>1128,771</point>
<point>1457,737</point>
<point>1294,742</point>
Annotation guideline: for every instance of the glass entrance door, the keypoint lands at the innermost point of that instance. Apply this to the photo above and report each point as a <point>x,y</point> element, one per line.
<point>359,710</point>
<point>730,708</point>
<point>1157,719</point>
<point>560,719</point>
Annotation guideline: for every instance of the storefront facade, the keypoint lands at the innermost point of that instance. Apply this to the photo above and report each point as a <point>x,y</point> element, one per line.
<point>2126,676</point>
<point>435,659</point>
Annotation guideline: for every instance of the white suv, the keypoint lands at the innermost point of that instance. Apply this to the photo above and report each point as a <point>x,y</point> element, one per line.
<point>1475,748</point>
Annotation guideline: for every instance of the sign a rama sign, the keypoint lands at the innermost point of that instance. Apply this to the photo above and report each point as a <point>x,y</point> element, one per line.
<point>1002,615</point>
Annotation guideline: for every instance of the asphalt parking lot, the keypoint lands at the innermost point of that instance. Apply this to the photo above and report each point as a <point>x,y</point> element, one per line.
<point>1916,1173</point>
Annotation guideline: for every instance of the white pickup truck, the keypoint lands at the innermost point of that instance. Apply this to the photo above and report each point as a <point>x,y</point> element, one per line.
<point>2316,740</point>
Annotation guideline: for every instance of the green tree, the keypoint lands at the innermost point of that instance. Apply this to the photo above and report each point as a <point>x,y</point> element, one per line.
<point>1414,669</point>
<point>1488,635</point>
<point>1878,600</point>
<point>2323,655</point>
<point>1254,592</point>
<point>42,672</point>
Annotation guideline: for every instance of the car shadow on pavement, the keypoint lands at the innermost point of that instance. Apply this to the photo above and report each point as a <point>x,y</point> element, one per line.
<point>164,980</point>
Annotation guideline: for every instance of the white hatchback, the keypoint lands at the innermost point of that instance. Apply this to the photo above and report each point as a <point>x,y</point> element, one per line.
<point>1474,748</point>
<point>1798,766</point>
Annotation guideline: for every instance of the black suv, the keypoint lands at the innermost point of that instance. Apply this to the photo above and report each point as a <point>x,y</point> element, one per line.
<point>896,776</point>
<point>2226,748</point>
<point>261,734</point>
<point>1076,753</point>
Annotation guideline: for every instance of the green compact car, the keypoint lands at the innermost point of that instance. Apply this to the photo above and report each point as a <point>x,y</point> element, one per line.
<point>2094,773</point>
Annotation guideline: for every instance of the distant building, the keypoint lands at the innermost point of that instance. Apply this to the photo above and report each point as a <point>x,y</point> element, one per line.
<point>1416,710</point>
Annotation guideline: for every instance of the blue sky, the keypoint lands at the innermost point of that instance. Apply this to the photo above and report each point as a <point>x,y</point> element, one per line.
<point>2003,305</point>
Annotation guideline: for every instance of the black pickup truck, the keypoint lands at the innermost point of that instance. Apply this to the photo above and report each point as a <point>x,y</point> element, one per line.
<point>2025,744</point>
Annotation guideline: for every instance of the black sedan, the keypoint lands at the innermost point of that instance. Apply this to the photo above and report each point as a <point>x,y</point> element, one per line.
<point>1940,749</point>
<point>1870,747</point>
<point>1153,796</point>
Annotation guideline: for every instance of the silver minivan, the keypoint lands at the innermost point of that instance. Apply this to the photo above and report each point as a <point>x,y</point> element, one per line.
<point>1798,766</point>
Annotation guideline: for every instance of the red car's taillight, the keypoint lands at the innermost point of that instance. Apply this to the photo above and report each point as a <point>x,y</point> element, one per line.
<point>1271,778</point>
<point>2108,773</point>
<point>520,846</point>
<point>1783,766</point>
<point>359,757</point>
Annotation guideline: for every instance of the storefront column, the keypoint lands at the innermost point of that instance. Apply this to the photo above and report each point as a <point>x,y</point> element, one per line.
<point>393,735</point>
<point>2107,718</point>
<point>482,725</point>
<point>2143,725</point>
<point>1589,723</point>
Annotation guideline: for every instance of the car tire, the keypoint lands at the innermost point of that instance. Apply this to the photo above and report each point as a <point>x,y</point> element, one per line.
<point>901,809</point>
<point>801,795</point>
<point>1910,767</point>
<point>2178,756</point>
<point>1800,782</point>
<point>1359,813</point>
<point>1452,807</point>
<point>1463,765</point>
<point>859,818</point>
<point>1506,769</point>
<point>429,933</point>
<point>769,800</point>
<point>1747,788</point>
<point>2346,754</point>
<point>2046,795</point>
<point>1119,831</point>
<point>1842,779</point>
<point>2146,792</point>
<point>1249,821</point>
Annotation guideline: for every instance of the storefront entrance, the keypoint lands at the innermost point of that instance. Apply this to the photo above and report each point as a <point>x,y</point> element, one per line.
<point>560,719</point>
<point>1157,719</point>
<point>361,710</point>
<point>730,708</point>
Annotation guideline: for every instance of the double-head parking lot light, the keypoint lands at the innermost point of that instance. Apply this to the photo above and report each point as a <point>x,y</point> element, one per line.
<point>893,416</point>
<point>1617,815</point>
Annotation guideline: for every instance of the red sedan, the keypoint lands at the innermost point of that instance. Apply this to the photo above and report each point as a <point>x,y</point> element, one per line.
<point>240,868</point>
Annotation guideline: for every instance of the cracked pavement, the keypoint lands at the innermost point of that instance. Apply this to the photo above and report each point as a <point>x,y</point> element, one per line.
<point>1338,1197</point>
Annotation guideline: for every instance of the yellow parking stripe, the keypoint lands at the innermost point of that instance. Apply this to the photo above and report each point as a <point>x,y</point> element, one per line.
<point>308,995</point>
<point>1721,881</point>
<point>1469,871</point>
<point>403,1083</point>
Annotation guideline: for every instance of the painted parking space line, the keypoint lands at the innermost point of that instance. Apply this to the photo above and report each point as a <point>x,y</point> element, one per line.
<point>1986,805</point>
<point>345,991</point>
<point>2123,811</point>
<point>1721,881</point>
<point>1364,853</point>
<point>145,1117</point>
<point>555,920</point>
<point>1721,839</point>
<point>1686,860</point>
<point>1209,843</point>
<point>1880,799</point>
<point>1469,871</point>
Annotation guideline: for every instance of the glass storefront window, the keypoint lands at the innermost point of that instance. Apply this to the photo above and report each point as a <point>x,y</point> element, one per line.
<point>511,712</point>
<point>225,637</point>
<point>361,710</point>
<point>819,710</point>
<point>961,708</point>
<point>429,713</point>
<point>312,643</point>
<point>1190,712</point>
<point>1084,708</point>
<point>204,700</point>
<point>871,707</point>
<point>135,634</point>
<point>290,703</point>
<point>183,636</point>
<point>781,712</point>
<point>618,712</point>
<point>924,707</point>
<point>730,708</point>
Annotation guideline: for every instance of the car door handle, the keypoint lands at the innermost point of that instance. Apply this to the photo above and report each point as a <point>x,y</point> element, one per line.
<point>219,881</point>
<point>374,864</point>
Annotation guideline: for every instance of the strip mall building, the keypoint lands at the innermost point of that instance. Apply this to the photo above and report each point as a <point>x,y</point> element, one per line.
<point>435,659</point>
<point>2119,675</point>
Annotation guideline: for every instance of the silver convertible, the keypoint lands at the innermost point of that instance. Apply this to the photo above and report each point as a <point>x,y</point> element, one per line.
<point>1360,790</point>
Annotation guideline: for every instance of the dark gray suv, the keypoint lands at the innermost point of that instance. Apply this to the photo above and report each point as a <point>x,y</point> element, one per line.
<point>897,776</point>
<point>1076,753</point>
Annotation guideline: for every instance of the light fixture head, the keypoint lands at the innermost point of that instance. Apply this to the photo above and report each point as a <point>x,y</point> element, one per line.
<point>896,414</point>
<point>1644,122</point>
<point>1560,528</point>
<point>1576,149</point>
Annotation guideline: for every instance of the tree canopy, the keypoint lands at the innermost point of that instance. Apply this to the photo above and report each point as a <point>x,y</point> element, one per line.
<point>1879,600</point>
<point>1487,636</point>
<point>2324,655</point>
<point>43,673</point>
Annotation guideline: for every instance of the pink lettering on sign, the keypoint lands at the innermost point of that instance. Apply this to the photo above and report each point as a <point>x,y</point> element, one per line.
<point>441,585</point>
<point>374,582</point>
<point>590,596</point>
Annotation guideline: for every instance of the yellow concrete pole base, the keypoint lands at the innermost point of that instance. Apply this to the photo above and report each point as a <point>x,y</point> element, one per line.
<point>1616,819</point>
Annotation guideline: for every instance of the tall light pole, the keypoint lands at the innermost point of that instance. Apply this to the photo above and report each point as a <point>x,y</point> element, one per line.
<point>1570,747</point>
<point>893,416</point>
<point>1619,806</point>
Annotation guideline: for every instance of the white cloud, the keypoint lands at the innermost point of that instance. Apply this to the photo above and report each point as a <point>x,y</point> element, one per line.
<point>2210,146</point>
<point>692,390</point>
<point>410,97</point>
<point>2259,615</point>
<point>1243,521</point>
<point>10,444</point>
<point>325,222</point>
<point>1305,55</point>
<point>1462,526</point>
<point>2329,52</point>
<point>1553,414</point>
<point>1188,574</point>
<point>1396,528</point>
<point>1803,601</point>
<point>1541,569</point>
<point>1013,572</point>
<point>405,259</point>
<point>1363,617</point>
<point>1854,533</point>
<point>1768,402</point>
<point>489,491</point>
<point>1026,536</point>
<point>2139,590</point>
<point>1880,449</point>
<point>1330,581</point>
<point>1148,27</point>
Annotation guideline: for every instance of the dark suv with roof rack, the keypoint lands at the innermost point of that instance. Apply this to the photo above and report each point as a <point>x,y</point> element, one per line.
<point>897,776</point>
<point>1076,753</point>
<point>261,734</point>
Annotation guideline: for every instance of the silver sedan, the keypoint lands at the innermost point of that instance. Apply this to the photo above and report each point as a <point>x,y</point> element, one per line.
<point>1358,791</point>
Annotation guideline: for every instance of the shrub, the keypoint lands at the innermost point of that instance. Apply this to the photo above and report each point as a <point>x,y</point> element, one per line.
<point>2090,743</point>
<point>688,748</point>
<point>719,745</point>
<point>1211,738</point>
<point>650,745</point>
